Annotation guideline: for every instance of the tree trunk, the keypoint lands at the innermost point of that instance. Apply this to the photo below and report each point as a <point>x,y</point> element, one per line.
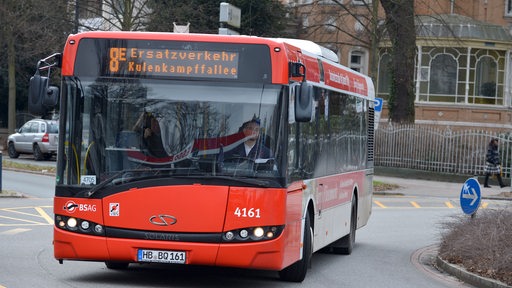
<point>11,72</point>
<point>402,33</point>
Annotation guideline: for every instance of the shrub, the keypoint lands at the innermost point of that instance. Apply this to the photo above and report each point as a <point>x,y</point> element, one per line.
<point>481,244</point>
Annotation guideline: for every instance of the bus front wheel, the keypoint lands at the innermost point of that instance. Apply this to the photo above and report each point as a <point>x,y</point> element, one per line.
<point>297,271</point>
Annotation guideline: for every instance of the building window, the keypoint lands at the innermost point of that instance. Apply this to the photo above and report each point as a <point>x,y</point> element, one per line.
<point>443,76</point>
<point>384,80</point>
<point>485,80</point>
<point>329,2</point>
<point>361,2</point>
<point>330,24</point>
<point>508,8</point>
<point>305,20</point>
<point>357,61</point>
<point>89,8</point>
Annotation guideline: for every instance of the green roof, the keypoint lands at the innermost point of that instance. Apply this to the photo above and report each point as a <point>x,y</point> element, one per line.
<point>458,26</point>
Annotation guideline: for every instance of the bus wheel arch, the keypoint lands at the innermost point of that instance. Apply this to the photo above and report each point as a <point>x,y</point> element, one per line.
<point>345,244</point>
<point>297,271</point>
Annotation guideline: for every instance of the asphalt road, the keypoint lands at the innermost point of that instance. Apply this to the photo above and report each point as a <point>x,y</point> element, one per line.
<point>395,249</point>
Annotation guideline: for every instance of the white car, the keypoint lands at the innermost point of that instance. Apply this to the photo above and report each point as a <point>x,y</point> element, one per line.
<point>38,137</point>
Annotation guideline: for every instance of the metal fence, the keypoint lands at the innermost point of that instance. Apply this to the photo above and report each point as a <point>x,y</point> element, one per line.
<point>435,149</point>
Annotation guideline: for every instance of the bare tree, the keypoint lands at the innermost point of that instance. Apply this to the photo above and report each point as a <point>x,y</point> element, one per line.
<point>333,23</point>
<point>402,33</point>
<point>362,25</point>
<point>124,15</point>
<point>29,29</point>
<point>258,18</point>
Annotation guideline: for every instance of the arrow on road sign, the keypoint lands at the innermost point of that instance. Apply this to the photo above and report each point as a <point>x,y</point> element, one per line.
<point>470,193</point>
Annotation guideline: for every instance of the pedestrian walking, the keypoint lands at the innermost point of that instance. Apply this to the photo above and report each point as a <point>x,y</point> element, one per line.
<point>493,166</point>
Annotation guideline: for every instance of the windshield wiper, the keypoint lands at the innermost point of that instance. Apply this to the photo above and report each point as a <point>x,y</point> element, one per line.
<point>244,180</point>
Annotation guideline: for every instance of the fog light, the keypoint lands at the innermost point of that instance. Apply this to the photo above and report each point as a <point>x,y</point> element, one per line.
<point>85,225</point>
<point>270,234</point>
<point>229,235</point>
<point>62,223</point>
<point>72,222</point>
<point>258,232</point>
<point>244,233</point>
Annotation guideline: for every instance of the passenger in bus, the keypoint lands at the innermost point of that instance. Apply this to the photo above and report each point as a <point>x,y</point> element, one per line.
<point>252,147</point>
<point>149,127</point>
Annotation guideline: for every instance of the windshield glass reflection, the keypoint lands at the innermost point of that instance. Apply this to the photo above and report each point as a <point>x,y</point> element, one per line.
<point>122,131</point>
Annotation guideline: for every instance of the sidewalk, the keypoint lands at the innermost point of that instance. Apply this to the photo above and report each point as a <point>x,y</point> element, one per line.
<point>436,188</point>
<point>432,188</point>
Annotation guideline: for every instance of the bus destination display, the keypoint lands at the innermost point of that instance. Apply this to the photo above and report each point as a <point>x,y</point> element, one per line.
<point>172,63</point>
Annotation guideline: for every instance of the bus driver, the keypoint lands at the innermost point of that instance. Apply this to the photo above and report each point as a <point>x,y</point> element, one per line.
<point>252,148</point>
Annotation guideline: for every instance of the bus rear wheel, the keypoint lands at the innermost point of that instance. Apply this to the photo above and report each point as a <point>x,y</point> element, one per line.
<point>297,271</point>
<point>345,245</point>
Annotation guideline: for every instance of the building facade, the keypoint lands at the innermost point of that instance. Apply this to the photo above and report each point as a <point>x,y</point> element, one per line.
<point>463,64</point>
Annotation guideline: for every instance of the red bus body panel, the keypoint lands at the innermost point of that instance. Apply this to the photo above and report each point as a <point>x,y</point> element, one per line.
<point>197,209</point>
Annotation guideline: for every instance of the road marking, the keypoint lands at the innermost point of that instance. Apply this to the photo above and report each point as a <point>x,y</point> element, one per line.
<point>414,204</point>
<point>25,216</point>
<point>14,231</point>
<point>379,204</point>
<point>485,204</point>
<point>18,219</point>
<point>449,204</point>
<point>44,215</point>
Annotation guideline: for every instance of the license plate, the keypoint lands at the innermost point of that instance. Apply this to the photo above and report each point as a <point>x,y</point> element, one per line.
<point>161,256</point>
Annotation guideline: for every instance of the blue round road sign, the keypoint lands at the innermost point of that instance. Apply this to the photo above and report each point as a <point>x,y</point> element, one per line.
<point>470,196</point>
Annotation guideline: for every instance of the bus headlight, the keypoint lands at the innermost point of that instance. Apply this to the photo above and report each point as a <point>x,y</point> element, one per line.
<point>85,225</point>
<point>71,223</point>
<point>229,235</point>
<point>78,225</point>
<point>98,229</point>
<point>258,232</point>
<point>252,234</point>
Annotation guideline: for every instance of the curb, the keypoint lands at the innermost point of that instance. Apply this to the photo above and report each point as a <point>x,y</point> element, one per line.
<point>42,172</point>
<point>11,194</point>
<point>469,277</point>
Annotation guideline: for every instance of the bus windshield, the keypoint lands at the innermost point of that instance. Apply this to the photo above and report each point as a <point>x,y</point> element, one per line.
<point>125,130</point>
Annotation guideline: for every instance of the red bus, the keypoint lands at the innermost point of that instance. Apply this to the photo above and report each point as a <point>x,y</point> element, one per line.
<point>200,149</point>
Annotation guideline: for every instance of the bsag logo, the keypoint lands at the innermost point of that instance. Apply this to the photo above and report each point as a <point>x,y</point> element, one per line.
<point>70,206</point>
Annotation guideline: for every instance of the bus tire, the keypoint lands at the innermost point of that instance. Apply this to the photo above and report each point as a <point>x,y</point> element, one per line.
<point>297,271</point>
<point>114,265</point>
<point>345,245</point>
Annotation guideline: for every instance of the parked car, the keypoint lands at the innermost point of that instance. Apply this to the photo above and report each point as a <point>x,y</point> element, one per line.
<point>38,137</point>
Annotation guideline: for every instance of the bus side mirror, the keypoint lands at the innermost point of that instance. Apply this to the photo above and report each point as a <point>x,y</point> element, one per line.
<point>41,97</point>
<point>51,98</point>
<point>304,102</point>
